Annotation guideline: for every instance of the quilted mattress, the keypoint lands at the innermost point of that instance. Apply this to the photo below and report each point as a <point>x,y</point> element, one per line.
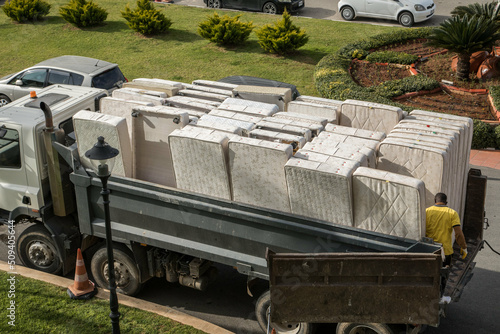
<point>315,128</point>
<point>345,130</point>
<point>200,161</point>
<point>347,144</point>
<point>341,150</point>
<point>430,165</point>
<point>274,95</point>
<point>297,142</point>
<point>150,130</point>
<point>321,190</point>
<point>331,113</point>
<point>121,108</point>
<point>252,108</point>
<point>128,94</point>
<point>369,116</point>
<point>191,103</point>
<point>246,127</point>
<point>170,91</point>
<point>257,172</point>
<point>302,117</point>
<point>318,100</point>
<point>215,84</point>
<point>90,125</point>
<point>224,127</point>
<point>389,203</point>
<point>208,89</point>
<point>285,128</point>
<point>235,115</point>
<point>140,91</point>
<point>159,83</point>
<point>202,95</point>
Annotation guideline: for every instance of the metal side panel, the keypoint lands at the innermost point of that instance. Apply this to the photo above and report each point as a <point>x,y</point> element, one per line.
<point>366,288</point>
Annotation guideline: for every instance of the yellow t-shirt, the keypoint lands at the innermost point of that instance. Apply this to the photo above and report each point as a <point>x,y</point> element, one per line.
<point>440,221</point>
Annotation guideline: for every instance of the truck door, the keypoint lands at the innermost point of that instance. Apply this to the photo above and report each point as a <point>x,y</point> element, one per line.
<point>13,181</point>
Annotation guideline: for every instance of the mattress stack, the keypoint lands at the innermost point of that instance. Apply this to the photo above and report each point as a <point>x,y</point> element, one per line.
<point>170,88</point>
<point>297,142</point>
<point>202,95</point>
<point>208,89</point>
<point>315,128</point>
<point>90,125</point>
<point>151,127</point>
<point>121,108</point>
<point>354,132</point>
<point>302,118</point>
<point>273,95</point>
<point>245,127</point>
<point>319,100</point>
<point>217,125</point>
<point>200,161</point>
<point>321,190</point>
<point>257,172</point>
<point>369,116</point>
<point>191,103</point>
<point>340,150</point>
<point>285,128</point>
<point>215,84</point>
<point>134,94</point>
<point>251,108</point>
<point>389,203</point>
<point>330,112</point>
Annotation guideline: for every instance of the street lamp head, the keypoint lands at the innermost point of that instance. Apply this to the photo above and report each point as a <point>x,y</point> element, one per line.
<point>102,156</point>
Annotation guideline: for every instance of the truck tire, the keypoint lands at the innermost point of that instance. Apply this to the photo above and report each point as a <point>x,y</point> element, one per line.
<point>262,308</point>
<point>37,250</point>
<point>353,328</point>
<point>126,272</point>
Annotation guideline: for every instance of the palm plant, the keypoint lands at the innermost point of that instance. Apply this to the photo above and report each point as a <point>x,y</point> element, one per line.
<point>465,35</point>
<point>490,10</point>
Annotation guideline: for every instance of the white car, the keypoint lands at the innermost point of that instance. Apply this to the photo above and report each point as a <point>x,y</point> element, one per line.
<point>406,12</point>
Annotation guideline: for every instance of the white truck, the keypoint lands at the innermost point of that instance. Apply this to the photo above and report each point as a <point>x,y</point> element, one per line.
<point>161,231</point>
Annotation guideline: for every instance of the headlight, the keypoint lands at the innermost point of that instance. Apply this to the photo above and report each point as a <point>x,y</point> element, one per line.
<point>419,8</point>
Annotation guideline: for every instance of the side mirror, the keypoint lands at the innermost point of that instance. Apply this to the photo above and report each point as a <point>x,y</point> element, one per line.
<point>19,82</point>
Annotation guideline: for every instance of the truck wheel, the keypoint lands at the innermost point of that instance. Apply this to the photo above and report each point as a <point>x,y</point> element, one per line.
<point>126,272</point>
<point>370,328</point>
<point>37,250</point>
<point>262,309</point>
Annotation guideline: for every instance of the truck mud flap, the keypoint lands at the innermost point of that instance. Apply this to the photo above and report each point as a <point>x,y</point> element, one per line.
<point>398,288</point>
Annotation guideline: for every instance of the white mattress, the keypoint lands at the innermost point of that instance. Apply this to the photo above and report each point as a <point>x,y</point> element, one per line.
<point>235,115</point>
<point>252,108</point>
<point>321,190</point>
<point>229,128</point>
<point>369,116</point>
<point>340,150</point>
<point>158,83</point>
<point>427,164</point>
<point>302,118</point>
<point>257,172</point>
<point>215,84</point>
<point>200,161</point>
<point>90,125</point>
<point>128,94</point>
<point>331,113</point>
<point>349,145</point>
<point>297,142</point>
<point>151,128</point>
<point>389,203</point>
<point>345,130</point>
<point>121,108</point>
<point>315,128</point>
<point>203,88</point>
<point>318,100</point>
<point>141,91</point>
<point>191,103</point>
<point>285,128</point>
<point>168,91</point>
<point>274,95</point>
<point>202,95</point>
<point>246,127</point>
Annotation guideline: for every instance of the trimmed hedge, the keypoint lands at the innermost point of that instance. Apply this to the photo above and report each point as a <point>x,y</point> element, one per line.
<point>83,13</point>
<point>26,10</point>
<point>484,135</point>
<point>146,19</point>
<point>225,30</point>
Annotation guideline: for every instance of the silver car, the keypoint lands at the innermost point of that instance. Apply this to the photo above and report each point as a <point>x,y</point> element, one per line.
<point>69,70</point>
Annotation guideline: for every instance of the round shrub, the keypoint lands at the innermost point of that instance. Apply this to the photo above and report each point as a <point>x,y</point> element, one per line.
<point>82,13</point>
<point>225,30</point>
<point>146,19</point>
<point>282,37</point>
<point>26,10</point>
<point>483,136</point>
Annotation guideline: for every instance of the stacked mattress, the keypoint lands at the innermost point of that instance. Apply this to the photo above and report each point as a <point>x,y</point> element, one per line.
<point>251,108</point>
<point>297,142</point>
<point>90,125</point>
<point>200,161</point>
<point>369,116</point>
<point>389,203</point>
<point>151,127</point>
<point>315,128</point>
<point>170,88</point>
<point>331,113</point>
<point>121,108</point>
<point>156,99</point>
<point>273,95</point>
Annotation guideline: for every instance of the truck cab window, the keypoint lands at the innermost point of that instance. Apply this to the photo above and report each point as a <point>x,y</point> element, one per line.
<point>10,152</point>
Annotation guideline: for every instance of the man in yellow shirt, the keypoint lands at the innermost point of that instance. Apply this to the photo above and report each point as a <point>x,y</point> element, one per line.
<point>441,221</point>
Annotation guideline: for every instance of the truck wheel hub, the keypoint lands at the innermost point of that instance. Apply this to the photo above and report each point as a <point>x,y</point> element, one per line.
<point>292,328</point>
<point>122,275</point>
<point>40,254</point>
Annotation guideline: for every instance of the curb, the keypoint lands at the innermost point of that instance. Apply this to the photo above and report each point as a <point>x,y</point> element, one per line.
<point>164,311</point>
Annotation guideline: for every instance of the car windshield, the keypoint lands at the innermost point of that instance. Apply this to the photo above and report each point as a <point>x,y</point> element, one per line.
<point>108,80</point>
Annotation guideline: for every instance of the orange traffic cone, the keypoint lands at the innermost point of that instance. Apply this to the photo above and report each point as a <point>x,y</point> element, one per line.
<point>83,288</point>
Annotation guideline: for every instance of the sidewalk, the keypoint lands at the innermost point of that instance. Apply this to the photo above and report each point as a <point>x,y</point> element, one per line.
<point>164,311</point>
<point>485,158</point>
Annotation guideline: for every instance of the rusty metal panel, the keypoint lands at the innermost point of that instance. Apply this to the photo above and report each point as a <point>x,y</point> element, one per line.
<point>355,287</point>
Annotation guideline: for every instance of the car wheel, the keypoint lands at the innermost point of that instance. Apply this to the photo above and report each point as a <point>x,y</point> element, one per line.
<point>347,13</point>
<point>406,19</point>
<point>214,4</point>
<point>269,8</point>
<point>4,100</point>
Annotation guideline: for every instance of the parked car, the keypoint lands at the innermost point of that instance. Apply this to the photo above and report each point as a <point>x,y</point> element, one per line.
<point>266,6</point>
<point>70,70</point>
<point>406,12</point>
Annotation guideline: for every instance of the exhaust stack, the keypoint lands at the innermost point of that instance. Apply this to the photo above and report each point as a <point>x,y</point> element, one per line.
<point>61,188</point>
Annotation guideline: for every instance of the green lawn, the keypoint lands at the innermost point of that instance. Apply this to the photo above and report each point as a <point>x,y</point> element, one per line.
<point>44,308</point>
<point>181,54</point>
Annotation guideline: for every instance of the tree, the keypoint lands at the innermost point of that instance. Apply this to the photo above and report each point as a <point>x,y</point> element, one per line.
<point>146,19</point>
<point>465,35</point>
<point>83,13</point>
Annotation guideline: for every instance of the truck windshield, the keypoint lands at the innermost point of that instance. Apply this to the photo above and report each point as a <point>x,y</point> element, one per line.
<point>10,153</point>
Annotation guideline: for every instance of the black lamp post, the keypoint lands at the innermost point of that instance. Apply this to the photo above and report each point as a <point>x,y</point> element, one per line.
<point>100,156</point>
